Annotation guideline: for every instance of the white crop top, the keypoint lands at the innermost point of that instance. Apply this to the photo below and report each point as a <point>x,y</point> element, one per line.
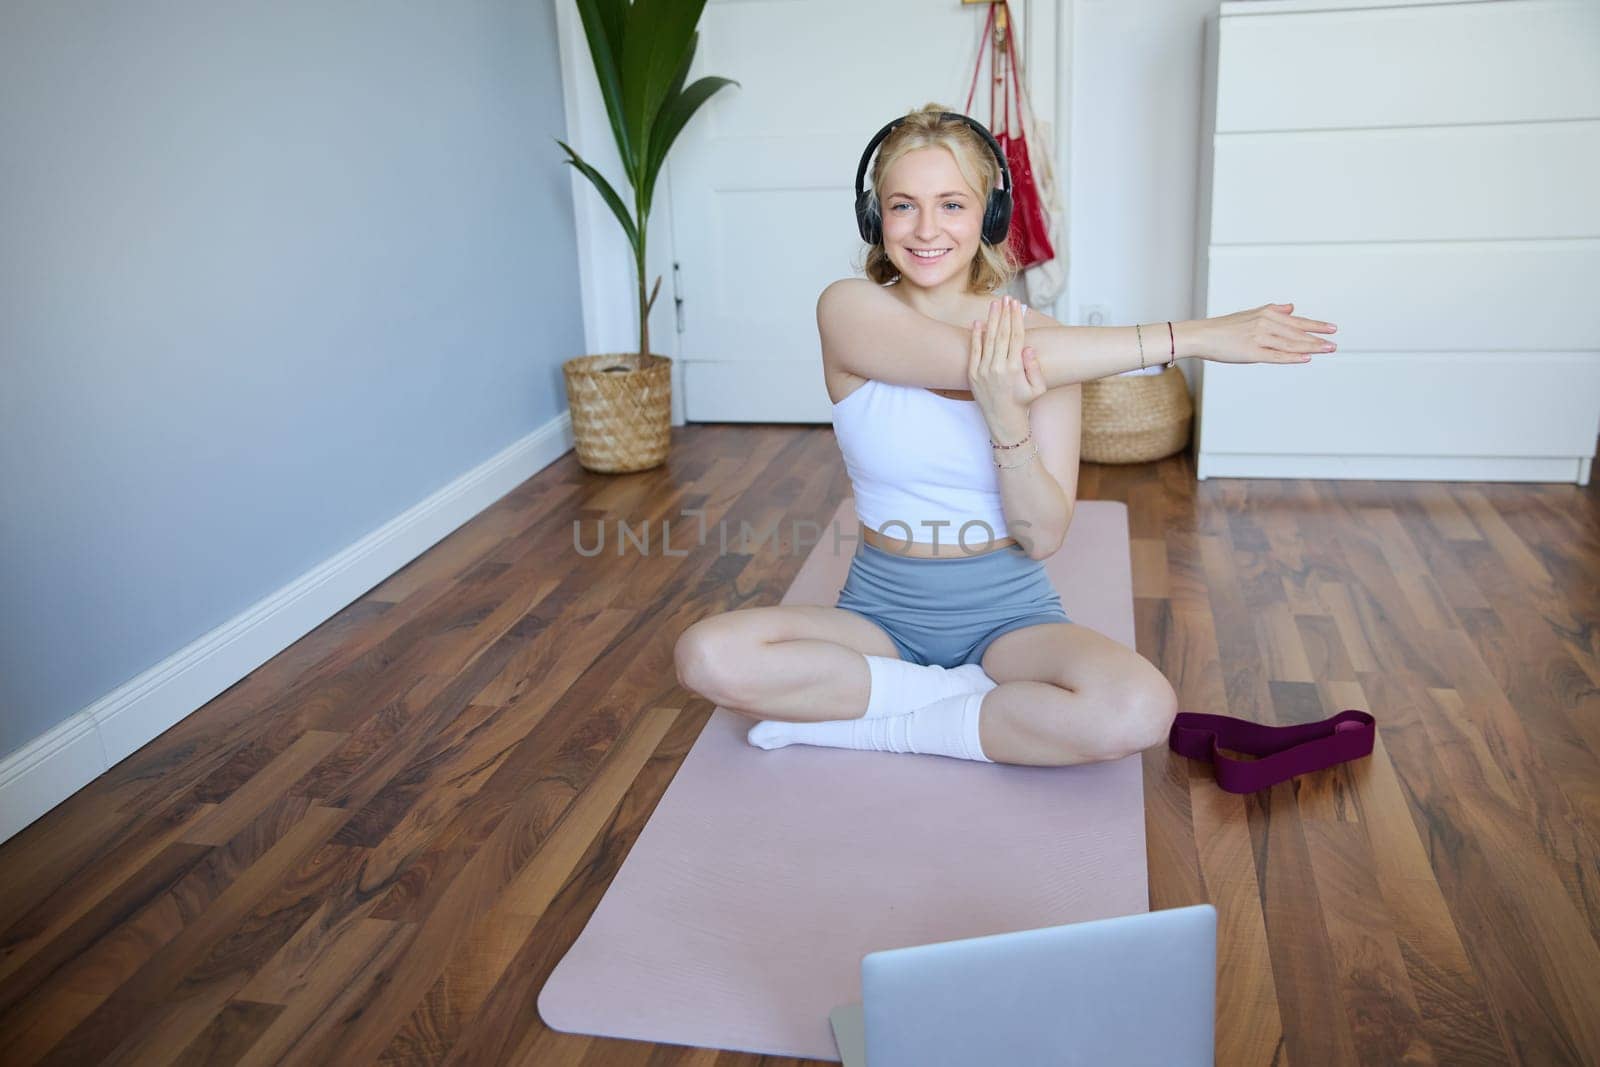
<point>921,459</point>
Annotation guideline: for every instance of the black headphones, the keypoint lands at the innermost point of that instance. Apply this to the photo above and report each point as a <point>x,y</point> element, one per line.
<point>996,213</point>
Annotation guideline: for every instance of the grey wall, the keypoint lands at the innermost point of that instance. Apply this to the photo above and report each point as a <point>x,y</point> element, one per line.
<point>270,274</point>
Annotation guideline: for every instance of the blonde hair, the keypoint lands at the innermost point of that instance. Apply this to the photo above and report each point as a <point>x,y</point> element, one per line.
<point>994,266</point>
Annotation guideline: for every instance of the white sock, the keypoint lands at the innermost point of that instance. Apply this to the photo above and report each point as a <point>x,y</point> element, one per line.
<point>899,687</point>
<point>946,727</point>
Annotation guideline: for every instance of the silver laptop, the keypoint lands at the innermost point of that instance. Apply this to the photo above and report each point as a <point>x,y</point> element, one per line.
<point>1130,990</point>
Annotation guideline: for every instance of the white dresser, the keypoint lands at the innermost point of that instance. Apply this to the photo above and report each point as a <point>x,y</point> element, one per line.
<point>1426,176</point>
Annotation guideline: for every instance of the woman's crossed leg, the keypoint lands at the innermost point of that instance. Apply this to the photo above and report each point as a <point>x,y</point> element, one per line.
<point>790,662</point>
<point>1069,694</point>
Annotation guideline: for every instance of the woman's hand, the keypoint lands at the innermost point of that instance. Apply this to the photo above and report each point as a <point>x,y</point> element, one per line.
<point>1267,334</point>
<point>1004,374</point>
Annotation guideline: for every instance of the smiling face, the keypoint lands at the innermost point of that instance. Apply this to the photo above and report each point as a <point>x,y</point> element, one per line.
<point>928,205</point>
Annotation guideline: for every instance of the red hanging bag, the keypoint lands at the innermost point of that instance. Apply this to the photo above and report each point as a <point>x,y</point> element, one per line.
<point>1030,233</point>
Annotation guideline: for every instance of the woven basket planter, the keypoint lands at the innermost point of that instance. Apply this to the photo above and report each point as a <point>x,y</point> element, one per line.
<point>1137,418</point>
<point>621,420</point>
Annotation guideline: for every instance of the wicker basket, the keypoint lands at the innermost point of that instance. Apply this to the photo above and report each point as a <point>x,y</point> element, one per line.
<point>621,420</point>
<point>1136,418</point>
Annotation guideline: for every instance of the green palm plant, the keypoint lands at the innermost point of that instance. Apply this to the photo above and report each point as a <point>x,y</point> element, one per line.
<point>642,52</point>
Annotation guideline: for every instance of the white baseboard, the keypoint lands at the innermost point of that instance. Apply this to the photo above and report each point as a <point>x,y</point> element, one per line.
<point>1395,468</point>
<point>57,764</point>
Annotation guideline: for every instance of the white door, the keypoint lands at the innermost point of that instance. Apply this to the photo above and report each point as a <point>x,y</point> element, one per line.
<point>760,181</point>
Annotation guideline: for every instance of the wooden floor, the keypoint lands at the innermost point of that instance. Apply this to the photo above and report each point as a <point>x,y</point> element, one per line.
<point>377,846</point>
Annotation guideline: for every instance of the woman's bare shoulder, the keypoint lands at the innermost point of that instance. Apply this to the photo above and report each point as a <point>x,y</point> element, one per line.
<point>855,287</point>
<point>855,280</point>
<point>854,291</point>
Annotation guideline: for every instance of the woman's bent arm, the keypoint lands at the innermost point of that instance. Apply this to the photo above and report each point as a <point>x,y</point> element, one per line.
<point>1035,507</point>
<point>868,332</point>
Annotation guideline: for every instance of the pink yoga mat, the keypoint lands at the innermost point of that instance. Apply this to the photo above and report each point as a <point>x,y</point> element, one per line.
<point>739,918</point>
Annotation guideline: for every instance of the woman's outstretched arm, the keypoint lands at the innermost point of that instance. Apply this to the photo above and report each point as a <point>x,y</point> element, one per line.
<point>868,332</point>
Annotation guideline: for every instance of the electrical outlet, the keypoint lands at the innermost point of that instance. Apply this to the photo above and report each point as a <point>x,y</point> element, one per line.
<point>1094,314</point>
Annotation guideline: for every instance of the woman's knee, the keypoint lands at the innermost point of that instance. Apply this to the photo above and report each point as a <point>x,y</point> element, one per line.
<point>1146,706</point>
<point>696,655</point>
<point>1129,716</point>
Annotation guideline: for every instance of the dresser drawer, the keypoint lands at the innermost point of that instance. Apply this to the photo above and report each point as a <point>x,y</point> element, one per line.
<point>1431,64</point>
<point>1405,404</point>
<point>1445,296</point>
<point>1452,183</point>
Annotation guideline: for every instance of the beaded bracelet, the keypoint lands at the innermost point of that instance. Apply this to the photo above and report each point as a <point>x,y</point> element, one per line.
<point>1019,444</point>
<point>1013,466</point>
<point>1172,345</point>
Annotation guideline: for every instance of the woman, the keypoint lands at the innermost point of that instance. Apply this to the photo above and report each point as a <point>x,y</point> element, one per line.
<point>950,639</point>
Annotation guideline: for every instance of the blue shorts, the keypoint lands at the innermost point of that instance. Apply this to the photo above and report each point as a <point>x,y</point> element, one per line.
<point>948,611</point>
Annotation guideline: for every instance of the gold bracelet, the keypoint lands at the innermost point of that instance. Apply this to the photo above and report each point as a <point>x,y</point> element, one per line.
<point>1140,335</point>
<point>1019,444</point>
<point>1014,466</point>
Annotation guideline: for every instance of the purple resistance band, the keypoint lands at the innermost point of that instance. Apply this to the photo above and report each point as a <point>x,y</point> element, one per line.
<point>1285,751</point>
